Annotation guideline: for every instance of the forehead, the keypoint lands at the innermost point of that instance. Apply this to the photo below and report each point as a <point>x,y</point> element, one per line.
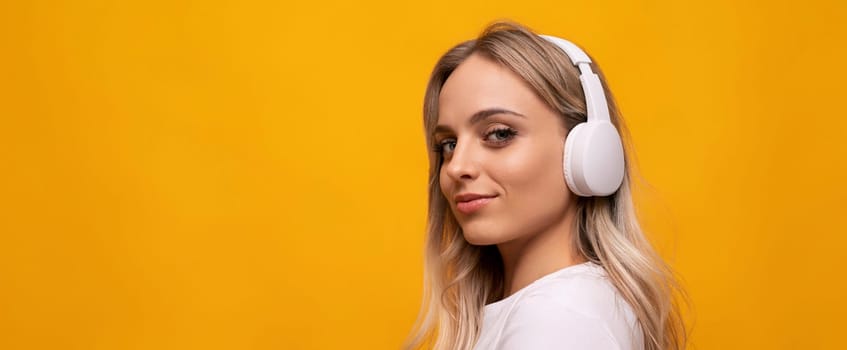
<point>481,83</point>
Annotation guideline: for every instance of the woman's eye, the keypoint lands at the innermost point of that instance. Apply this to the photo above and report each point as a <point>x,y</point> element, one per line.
<point>496,136</point>
<point>446,146</point>
<point>501,134</point>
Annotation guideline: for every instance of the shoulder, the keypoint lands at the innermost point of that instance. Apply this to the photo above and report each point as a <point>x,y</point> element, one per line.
<point>579,309</point>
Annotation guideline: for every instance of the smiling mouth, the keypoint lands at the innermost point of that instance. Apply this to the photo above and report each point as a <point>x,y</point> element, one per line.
<point>469,207</point>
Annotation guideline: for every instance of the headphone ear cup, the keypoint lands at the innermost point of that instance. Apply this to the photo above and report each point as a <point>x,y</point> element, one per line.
<point>594,163</point>
<point>573,141</point>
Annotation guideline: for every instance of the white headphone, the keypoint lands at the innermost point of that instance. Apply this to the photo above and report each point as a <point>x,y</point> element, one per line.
<point>593,160</point>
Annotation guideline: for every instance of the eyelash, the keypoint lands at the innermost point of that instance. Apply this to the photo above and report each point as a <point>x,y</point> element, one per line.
<point>439,147</point>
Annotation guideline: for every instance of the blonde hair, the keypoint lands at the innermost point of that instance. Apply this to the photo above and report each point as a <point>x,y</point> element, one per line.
<point>460,278</point>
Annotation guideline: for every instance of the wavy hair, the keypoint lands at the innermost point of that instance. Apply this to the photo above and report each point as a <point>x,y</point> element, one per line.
<point>461,278</point>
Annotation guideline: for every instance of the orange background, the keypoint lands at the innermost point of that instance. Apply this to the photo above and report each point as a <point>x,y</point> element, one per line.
<point>251,175</point>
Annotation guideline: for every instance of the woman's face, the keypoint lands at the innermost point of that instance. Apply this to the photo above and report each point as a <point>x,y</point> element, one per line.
<point>500,140</point>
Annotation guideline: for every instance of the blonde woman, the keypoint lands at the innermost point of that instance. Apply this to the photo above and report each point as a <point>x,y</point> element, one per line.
<point>532,238</point>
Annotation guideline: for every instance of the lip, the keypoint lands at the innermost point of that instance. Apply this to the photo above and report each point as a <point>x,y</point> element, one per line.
<point>468,203</point>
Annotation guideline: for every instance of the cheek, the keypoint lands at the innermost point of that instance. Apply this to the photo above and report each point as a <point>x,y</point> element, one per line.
<point>532,170</point>
<point>536,191</point>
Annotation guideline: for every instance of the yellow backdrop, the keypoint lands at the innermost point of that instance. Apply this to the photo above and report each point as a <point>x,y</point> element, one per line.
<point>251,175</point>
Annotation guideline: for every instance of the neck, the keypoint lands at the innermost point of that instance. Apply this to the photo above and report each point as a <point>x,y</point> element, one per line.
<point>529,258</point>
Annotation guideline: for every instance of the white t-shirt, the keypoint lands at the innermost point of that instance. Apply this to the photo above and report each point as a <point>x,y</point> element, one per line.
<point>574,308</point>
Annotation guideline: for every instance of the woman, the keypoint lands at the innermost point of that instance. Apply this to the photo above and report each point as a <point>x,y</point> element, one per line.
<point>524,251</point>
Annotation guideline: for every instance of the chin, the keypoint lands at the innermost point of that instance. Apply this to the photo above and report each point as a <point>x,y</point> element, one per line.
<point>473,240</point>
<point>483,231</point>
<point>477,238</point>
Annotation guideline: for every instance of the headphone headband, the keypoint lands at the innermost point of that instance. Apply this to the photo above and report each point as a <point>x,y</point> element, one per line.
<point>575,54</point>
<point>595,98</point>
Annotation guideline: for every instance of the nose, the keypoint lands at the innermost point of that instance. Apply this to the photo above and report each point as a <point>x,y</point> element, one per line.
<point>462,164</point>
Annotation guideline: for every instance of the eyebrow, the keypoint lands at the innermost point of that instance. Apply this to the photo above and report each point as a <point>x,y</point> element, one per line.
<point>478,117</point>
